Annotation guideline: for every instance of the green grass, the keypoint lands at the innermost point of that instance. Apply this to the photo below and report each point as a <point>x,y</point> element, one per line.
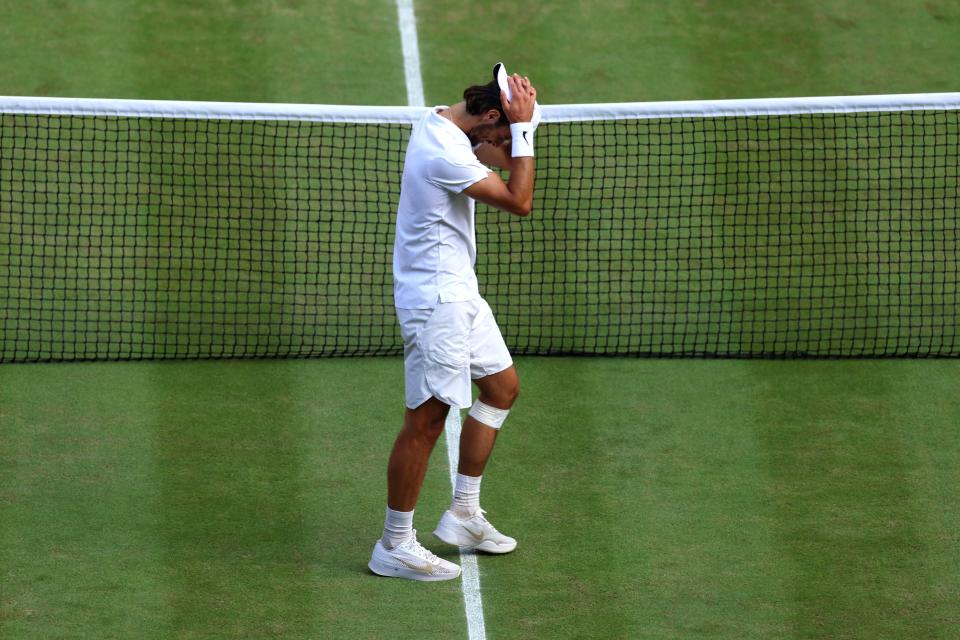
<point>223,50</point>
<point>652,499</point>
<point>731,500</point>
<point>157,502</point>
<point>615,50</point>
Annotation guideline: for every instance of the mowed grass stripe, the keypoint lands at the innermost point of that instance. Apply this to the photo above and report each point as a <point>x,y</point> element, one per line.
<point>270,52</point>
<point>633,51</point>
<point>540,488</point>
<point>189,51</point>
<point>80,535</point>
<point>929,410</point>
<point>840,442</point>
<point>229,50</point>
<point>638,500</point>
<point>69,49</point>
<point>709,563</point>
<point>235,539</point>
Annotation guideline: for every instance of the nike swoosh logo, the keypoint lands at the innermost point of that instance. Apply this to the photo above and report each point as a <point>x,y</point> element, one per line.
<point>525,137</point>
<point>422,567</point>
<point>476,531</point>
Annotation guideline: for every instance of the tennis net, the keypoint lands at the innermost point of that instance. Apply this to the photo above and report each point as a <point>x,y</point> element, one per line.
<point>815,227</point>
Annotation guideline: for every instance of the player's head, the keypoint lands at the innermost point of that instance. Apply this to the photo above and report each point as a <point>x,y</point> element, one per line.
<point>483,101</point>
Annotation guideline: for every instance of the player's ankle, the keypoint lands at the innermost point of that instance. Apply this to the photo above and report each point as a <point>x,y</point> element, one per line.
<point>464,512</point>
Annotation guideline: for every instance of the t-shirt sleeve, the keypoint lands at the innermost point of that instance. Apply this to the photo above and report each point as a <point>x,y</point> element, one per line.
<point>458,172</point>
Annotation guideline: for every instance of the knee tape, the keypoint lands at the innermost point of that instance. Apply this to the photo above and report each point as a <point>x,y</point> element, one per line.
<point>490,416</point>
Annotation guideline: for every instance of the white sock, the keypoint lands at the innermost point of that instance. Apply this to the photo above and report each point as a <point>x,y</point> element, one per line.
<point>466,495</point>
<point>398,527</point>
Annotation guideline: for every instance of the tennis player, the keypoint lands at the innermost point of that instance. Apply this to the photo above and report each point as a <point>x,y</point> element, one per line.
<point>449,333</point>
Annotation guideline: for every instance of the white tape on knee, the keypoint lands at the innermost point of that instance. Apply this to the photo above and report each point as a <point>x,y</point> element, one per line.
<point>490,416</point>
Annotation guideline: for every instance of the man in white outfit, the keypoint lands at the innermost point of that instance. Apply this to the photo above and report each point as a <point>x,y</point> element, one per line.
<point>449,333</point>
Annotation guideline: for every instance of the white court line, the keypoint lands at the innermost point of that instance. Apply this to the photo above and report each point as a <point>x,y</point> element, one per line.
<point>411,52</point>
<point>470,578</point>
<point>472,601</point>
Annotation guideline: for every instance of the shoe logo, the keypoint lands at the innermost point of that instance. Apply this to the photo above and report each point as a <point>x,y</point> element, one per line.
<point>475,530</point>
<point>422,566</point>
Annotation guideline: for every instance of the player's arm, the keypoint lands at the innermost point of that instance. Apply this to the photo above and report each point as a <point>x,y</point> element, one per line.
<point>516,195</point>
<point>494,156</point>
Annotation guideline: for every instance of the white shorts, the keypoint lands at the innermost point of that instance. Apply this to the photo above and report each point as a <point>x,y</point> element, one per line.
<point>445,347</point>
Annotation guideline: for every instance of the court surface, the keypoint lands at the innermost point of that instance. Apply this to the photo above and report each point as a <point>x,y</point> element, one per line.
<point>651,499</point>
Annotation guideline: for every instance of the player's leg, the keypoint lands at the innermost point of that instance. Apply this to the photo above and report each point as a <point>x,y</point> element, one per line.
<point>496,378</point>
<point>498,392</point>
<point>398,553</point>
<point>411,453</point>
<point>432,383</point>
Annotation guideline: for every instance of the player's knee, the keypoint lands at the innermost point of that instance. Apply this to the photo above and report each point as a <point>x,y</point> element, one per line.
<point>513,390</point>
<point>510,390</point>
<point>504,395</point>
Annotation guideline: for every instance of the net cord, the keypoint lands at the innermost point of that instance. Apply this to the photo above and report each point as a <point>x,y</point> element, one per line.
<point>408,115</point>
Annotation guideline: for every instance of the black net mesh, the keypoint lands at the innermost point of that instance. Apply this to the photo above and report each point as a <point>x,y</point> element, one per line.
<point>822,235</point>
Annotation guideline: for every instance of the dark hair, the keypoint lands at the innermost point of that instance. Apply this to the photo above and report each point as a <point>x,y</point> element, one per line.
<point>480,98</point>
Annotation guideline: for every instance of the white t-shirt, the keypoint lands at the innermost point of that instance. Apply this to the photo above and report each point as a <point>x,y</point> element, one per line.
<point>435,247</point>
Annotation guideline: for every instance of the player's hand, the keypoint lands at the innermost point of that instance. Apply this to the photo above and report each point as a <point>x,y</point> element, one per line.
<point>520,109</point>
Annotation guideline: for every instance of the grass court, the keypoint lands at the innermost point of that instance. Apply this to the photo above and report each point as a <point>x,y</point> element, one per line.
<point>651,498</point>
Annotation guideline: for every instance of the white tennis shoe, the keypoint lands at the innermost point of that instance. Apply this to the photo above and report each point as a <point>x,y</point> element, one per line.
<point>412,561</point>
<point>474,532</point>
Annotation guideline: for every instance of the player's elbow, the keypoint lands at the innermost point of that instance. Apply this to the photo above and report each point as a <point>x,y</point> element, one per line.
<point>522,209</point>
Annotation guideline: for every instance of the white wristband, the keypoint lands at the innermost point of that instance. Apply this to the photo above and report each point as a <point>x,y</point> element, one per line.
<point>522,135</point>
